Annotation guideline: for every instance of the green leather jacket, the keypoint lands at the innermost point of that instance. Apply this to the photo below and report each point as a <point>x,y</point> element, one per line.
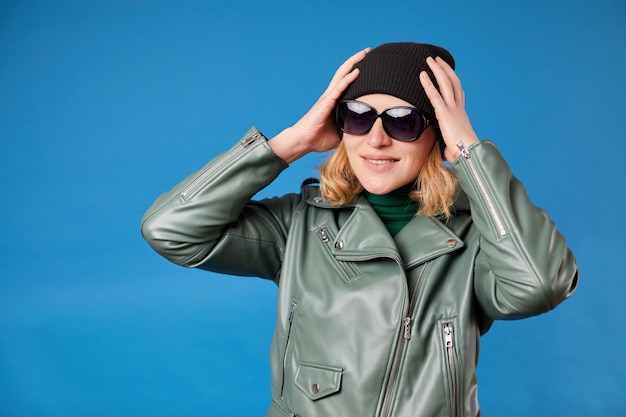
<point>367,324</point>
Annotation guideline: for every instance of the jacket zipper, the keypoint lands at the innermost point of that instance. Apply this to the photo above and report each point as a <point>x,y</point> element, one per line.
<point>290,318</point>
<point>326,239</point>
<point>405,335</point>
<point>193,187</point>
<point>449,345</point>
<point>483,190</point>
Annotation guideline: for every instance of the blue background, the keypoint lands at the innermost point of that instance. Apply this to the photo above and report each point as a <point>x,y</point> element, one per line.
<point>104,105</point>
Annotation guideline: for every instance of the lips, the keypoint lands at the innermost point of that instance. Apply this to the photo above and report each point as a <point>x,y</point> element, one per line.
<point>380,161</point>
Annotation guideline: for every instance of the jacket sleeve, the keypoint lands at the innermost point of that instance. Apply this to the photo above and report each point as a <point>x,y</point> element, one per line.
<point>208,221</point>
<point>523,267</point>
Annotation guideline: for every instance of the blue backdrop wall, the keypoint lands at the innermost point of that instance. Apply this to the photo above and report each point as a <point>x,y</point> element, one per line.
<point>104,105</point>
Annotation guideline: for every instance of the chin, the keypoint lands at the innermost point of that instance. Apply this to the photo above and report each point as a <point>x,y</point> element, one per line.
<point>380,189</point>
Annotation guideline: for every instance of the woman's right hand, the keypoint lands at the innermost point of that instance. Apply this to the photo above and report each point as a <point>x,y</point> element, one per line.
<point>316,130</point>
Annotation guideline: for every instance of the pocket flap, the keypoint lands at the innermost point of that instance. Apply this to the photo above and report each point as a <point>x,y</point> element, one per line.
<point>318,381</point>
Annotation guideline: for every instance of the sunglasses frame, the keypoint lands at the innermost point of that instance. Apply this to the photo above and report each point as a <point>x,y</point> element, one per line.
<point>426,122</point>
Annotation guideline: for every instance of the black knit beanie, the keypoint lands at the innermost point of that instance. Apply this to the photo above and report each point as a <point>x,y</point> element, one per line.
<point>394,68</point>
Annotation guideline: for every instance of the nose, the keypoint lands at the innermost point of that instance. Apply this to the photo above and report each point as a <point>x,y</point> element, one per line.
<point>377,137</point>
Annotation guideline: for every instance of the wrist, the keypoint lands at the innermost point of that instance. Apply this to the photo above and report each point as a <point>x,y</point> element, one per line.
<point>287,146</point>
<point>452,152</point>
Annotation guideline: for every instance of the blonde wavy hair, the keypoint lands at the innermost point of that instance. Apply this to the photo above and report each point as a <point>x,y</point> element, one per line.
<point>434,187</point>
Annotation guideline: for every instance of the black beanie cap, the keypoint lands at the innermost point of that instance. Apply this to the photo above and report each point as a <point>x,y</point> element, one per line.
<point>394,68</point>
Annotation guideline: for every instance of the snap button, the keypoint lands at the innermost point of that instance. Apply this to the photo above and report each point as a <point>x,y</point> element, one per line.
<point>315,389</point>
<point>318,199</point>
<point>451,243</point>
<point>338,245</point>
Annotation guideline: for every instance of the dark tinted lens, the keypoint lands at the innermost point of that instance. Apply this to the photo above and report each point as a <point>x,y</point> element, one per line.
<point>403,123</point>
<point>356,118</point>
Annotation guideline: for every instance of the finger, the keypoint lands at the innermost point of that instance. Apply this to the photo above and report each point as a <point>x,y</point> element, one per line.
<point>347,67</point>
<point>459,93</point>
<point>343,83</point>
<point>445,86</point>
<point>431,91</point>
<point>345,74</point>
<point>323,108</point>
<point>350,62</point>
<point>328,100</point>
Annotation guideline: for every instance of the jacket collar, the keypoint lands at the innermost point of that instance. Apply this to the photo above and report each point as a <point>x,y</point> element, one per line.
<point>425,238</point>
<point>364,236</point>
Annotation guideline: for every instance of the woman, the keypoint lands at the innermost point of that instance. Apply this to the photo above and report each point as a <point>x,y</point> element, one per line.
<point>392,268</point>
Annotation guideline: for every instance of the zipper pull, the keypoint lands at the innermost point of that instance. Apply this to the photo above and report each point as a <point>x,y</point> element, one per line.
<point>247,141</point>
<point>447,331</point>
<point>407,327</point>
<point>291,312</point>
<point>463,150</point>
<point>324,235</point>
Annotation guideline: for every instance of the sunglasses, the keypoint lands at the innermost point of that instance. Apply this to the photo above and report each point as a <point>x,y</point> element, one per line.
<point>402,123</point>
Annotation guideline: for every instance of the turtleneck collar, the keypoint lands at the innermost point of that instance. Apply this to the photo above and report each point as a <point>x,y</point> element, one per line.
<point>395,209</point>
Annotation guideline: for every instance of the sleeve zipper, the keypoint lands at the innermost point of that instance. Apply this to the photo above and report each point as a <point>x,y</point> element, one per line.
<point>225,159</point>
<point>483,190</point>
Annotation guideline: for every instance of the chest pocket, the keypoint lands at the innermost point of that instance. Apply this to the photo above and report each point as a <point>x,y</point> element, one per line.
<point>346,270</point>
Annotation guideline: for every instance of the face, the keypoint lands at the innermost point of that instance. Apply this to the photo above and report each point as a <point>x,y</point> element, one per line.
<point>380,163</point>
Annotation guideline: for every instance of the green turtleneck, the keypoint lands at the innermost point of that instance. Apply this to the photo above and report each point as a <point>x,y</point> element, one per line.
<point>395,209</point>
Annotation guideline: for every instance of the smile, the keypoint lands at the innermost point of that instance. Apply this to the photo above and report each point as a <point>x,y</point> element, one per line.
<point>380,161</point>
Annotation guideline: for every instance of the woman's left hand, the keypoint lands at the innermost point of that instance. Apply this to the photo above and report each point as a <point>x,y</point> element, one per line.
<point>449,104</point>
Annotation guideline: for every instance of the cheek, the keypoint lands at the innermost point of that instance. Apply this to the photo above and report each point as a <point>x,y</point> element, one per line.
<point>416,159</point>
<point>350,148</point>
<point>423,147</point>
<point>419,152</point>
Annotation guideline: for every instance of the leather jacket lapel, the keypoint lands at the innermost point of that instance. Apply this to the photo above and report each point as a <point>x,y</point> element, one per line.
<point>425,238</point>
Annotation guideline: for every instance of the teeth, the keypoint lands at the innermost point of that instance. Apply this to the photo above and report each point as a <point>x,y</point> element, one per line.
<point>380,161</point>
